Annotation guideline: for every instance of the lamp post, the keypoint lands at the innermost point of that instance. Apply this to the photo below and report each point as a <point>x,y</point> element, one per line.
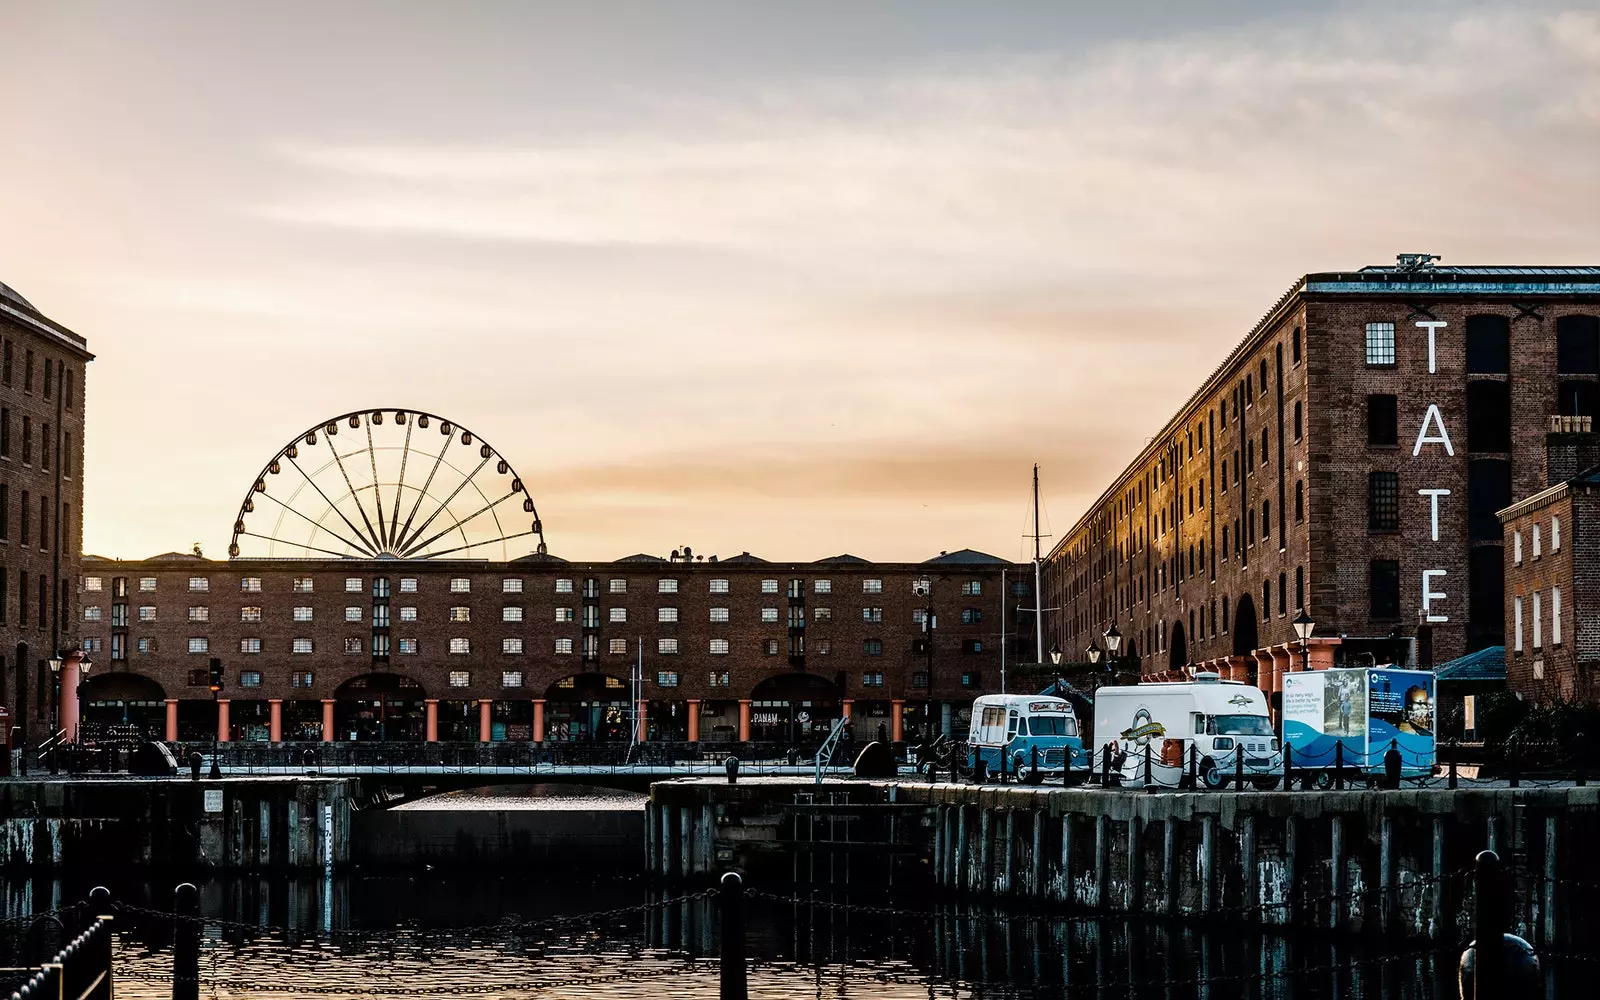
<point>1113,644</point>
<point>1304,625</point>
<point>924,589</point>
<point>1094,652</point>
<point>55,709</point>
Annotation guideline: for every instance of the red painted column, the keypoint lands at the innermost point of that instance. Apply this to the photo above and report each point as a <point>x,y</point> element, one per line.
<point>642,713</point>
<point>275,720</point>
<point>69,699</point>
<point>222,720</point>
<point>327,720</point>
<point>694,720</point>
<point>172,720</point>
<point>431,705</point>
<point>845,705</point>
<point>744,720</point>
<point>897,710</point>
<point>484,731</point>
<point>538,720</point>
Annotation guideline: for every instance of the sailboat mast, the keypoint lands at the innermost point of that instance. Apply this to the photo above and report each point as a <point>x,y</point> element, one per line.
<point>1038,595</point>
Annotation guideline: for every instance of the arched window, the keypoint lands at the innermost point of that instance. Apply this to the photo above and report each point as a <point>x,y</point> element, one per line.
<point>1488,345</point>
<point>1578,345</point>
<point>1283,593</point>
<point>1266,599</point>
<point>1225,616</point>
<point>1300,587</point>
<point>1266,518</point>
<point>1294,346</point>
<point>1299,500</point>
<point>1488,416</point>
<point>1264,446</point>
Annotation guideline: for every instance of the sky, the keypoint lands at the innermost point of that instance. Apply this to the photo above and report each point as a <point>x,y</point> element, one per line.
<point>795,279</point>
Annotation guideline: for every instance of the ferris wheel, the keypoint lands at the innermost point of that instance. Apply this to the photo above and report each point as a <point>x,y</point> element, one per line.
<point>387,484</point>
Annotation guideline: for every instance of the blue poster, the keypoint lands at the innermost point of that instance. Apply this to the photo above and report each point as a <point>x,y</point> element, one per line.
<point>1400,706</point>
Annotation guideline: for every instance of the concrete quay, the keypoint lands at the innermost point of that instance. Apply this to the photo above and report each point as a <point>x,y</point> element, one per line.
<point>237,824</point>
<point>1391,862</point>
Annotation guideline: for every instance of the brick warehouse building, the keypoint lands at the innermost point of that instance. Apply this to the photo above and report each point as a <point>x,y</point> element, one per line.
<point>540,648</point>
<point>42,389</point>
<point>1348,458</point>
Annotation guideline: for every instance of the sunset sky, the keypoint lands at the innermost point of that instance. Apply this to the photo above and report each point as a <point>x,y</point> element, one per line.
<point>796,278</point>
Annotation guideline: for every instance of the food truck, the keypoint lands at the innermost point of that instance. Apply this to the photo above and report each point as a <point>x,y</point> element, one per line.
<point>1028,735</point>
<point>1220,720</point>
<point>1351,716</point>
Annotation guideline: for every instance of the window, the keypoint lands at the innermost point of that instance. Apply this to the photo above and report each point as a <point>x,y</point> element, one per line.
<point>617,646</point>
<point>563,586</point>
<point>1516,624</point>
<point>249,678</point>
<point>408,614</point>
<point>1555,616</point>
<point>1299,592</point>
<point>822,614</point>
<point>822,586</point>
<point>408,585</point>
<point>1384,589</point>
<point>511,585</point>
<point>770,647</point>
<point>460,678</point>
<point>511,678</point>
<point>408,647</point>
<point>564,614</point>
<point>872,680</point>
<point>302,614</point>
<point>667,678</point>
<point>719,586</point>
<point>1294,346</point>
<point>720,679</point>
<point>971,616</point>
<point>1488,416</point>
<point>199,644</point>
<point>200,614</point>
<point>1488,491</point>
<point>511,646</point>
<point>872,614</point>
<point>667,647</point>
<point>1555,534</point>
<point>1380,343</point>
<point>352,585</point>
<point>27,372</point>
<point>1299,500</point>
<point>93,584</point>
<point>821,647</point>
<point>380,645</point>
<point>247,584</point>
<point>769,614</point>
<point>460,614</point>
<point>1382,419</point>
<point>1299,426</point>
<point>719,647</point>
<point>301,645</point>
<point>666,615</point>
<point>619,586</point>
<point>1578,345</point>
<point>90,614</point>
<point>1383,501</point>
<point>919,680</point>
<point>769,586</point>
<point>147,613</point>
<point>302,585</point>
<point>1488,345</point>
<point>199,585</point>
<point>352,614</point>
<point>27,440</point>
<point>352,644</point>
<point>872,586</point>
<point>971,588</point>
<point>1538,622</point>
<point>666,586</point>
<point>563,645</point>
<point>1249,394</point>
<point>872,647</point>
<point>245,614</point>
<point>146,646</point>
<point>460,585</point>
<point>460,646</point>
<point>1266,519</point>
<point>972,645</point>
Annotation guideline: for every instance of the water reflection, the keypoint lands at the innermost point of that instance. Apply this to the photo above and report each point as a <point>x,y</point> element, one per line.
<point>537,796</point>
<point>514,936</point>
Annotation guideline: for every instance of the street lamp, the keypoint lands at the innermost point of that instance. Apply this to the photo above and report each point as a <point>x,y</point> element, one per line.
<point>1055,655</point>
<point>1304,625</point>
<point>55,710</point>
<point>1113,643</point>
<point>1094,652</point>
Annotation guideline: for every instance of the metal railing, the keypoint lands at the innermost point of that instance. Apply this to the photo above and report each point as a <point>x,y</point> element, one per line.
<point>79,971</point>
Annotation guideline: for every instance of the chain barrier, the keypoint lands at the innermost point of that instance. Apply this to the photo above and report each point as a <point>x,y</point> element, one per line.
<point>367,986</point>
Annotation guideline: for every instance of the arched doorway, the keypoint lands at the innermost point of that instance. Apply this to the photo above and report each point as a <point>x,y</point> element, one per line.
<point>792,708</point>
<point>380,708</point>
<point>1178,648</point>
<point>1244,626</point>
<point>588,708</point>
<point>122,706</point>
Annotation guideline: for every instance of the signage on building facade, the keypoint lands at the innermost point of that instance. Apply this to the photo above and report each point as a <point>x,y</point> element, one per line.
<point>1433,432</point>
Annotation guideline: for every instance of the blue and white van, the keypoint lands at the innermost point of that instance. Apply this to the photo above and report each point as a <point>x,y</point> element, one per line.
<point>1008,728</point>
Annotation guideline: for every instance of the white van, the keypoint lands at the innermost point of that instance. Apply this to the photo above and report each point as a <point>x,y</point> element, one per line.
<point>1017,731</point>
<point>1220,719</point>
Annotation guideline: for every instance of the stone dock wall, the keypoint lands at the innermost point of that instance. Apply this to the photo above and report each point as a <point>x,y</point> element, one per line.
<point>1392,862</point>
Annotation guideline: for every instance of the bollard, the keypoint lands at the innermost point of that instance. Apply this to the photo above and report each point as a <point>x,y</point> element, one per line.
<point>1512,969</point>
<point>195,764</point>
<point>1194,765</point>
<point>1148,786</point>
<point>1288,766</point>
<point>1238,767</point>
<point>732,766</point>
<point>1580,748</point>
<point>186,943</point>
<point>1033,764</point>
<point>309,761</point>
<point>216,769</point>
<point>980,770</point>
<point>1516,765</point>
<point>730,899</point>
<point>1391,765</point>
<point>1452,763</point>
<point>1338,765</point>
<point>1105,766</point>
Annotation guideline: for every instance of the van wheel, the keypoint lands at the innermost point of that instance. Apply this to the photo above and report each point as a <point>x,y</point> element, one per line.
<point>1266,784</point>
<point>1211,775</point>
<point>1322,781</point>
<point>1028,776</point>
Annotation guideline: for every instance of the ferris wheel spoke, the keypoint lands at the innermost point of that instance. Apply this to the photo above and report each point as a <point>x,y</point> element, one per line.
<point>377,494</point>
<point>351,487</point>
<point>422,494</point>
<point>445,506</point>
<point>298,545</point>
<point>418,546</point>
<point>332,505</point>
<point>400,484</point>
<point>487,541</point>
<point>358,546</point>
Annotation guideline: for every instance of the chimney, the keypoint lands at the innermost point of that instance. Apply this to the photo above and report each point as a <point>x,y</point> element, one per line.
<point>1571,446</point>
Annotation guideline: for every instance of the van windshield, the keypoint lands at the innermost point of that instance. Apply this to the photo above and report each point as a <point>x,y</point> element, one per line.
<point>1244,725</point>
<point>1053,725</point>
